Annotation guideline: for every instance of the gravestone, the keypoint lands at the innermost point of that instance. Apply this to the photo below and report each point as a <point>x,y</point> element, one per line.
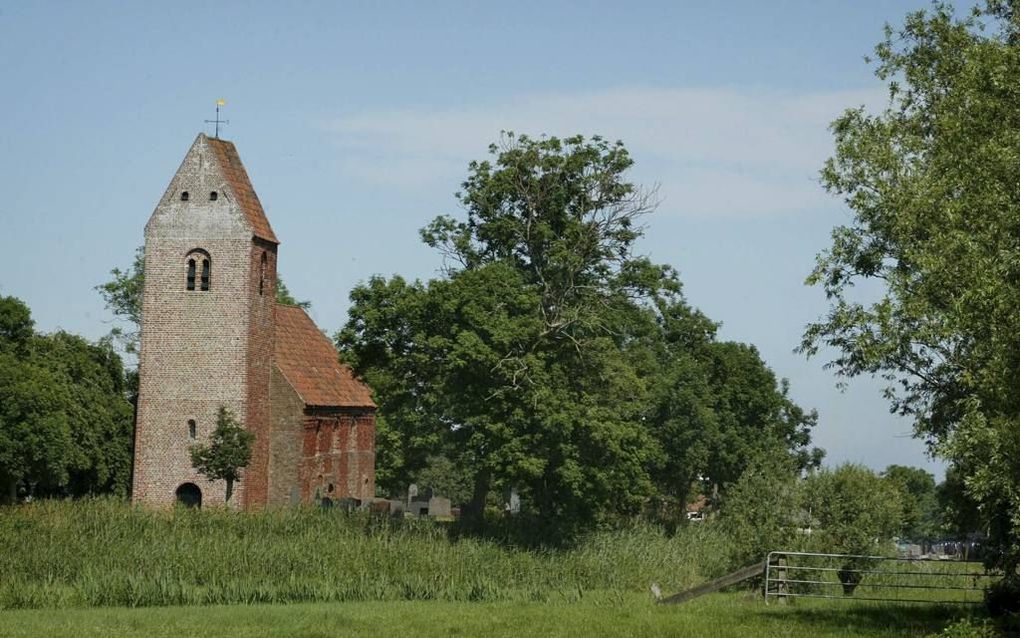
<point>514,506</point>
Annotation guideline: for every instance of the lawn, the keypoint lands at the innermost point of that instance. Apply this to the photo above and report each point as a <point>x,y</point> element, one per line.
<point>595,614</point>
<point>103,568</point>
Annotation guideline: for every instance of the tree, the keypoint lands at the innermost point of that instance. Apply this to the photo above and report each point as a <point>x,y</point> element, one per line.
<point>65,423</point>
<point>445,478</point>
<point>854,512</point>
<point>960,514</point>
<point>35,436</point>
<point>853,509</point>
<point>283,296</point>
<point>534,362</point>
<point>931,183</point>
<point>16,325</point>
<point>921,519</point>
<point>123,297</point>
<point>226,454</point>
<point>715,407</point>
<point>513,360</point>
<point>100,417</point>
<point>761,512</point>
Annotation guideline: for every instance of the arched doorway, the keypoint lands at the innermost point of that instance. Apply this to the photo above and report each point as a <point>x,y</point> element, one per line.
<point>189,495</point>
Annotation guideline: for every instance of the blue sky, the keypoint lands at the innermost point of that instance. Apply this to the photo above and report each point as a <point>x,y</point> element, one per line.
<point>356,122</point>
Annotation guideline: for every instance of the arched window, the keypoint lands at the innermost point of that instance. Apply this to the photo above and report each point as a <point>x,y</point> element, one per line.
<point>206,274</point>
<point>185,196</point>
<point>192,429</point>
<point>213,196</point>
<point>199,280</point>
<point>262,274</point>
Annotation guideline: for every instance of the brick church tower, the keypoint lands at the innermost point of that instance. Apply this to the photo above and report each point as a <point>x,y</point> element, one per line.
<point>209,340</point>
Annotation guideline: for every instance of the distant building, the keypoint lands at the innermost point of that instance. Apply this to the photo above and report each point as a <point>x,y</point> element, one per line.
<point>213,334</point>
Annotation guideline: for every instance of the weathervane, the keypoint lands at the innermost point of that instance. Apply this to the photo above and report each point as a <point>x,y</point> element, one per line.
<point>220,102</point>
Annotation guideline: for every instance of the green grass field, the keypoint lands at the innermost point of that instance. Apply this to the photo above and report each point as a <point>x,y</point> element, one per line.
<point>718,616</point>
<point>107,554</point>
<point>103,568</point>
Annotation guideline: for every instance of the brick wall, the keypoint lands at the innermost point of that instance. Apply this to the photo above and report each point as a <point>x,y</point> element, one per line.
<point>260,365</point>
<point>286,440</point>
<point>338,450</point>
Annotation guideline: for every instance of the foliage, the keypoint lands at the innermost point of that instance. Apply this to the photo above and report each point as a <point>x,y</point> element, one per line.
<point>552,359</point>
<point>921,517</point>
<point>227,452</point>
<point>445,478</point>
<point>959,511</point>
<point>283,296</point>
<point>969,628</point>
<point>762,510</point>
<point>852,509</point>
<point>65,424</point>
<point>35,436</point>
<point>1003,600</point>
<point>123,297</point>
<point>931,183</point>
<point>98,552</point>
<point>16,325</point>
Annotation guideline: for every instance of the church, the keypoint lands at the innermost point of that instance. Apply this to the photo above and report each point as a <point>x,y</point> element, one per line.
<point>212,334</point>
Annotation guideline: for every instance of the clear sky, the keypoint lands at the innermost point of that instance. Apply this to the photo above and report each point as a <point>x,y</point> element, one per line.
<point>356,121</point>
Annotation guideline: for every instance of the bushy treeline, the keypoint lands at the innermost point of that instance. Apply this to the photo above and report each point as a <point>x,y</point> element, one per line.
<point>65,419</point>
<point>96,552</point>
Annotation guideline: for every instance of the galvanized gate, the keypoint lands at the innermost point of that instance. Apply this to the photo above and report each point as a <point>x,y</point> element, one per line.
<point>878,578</point>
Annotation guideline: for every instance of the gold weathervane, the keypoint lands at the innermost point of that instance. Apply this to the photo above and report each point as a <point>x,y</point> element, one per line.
<point>220,102</point>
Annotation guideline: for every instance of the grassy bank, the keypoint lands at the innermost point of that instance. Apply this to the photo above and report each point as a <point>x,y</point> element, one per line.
<point>106,553</point>
<point>598,614</point>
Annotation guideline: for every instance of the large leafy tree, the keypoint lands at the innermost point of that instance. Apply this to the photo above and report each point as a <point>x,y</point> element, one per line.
<point>65,422</point>
<point>932,184</point>
<point>550,358</point>
<point>512,363</point>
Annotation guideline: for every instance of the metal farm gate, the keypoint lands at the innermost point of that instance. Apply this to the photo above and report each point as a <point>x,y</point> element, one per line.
<point>879,578</point>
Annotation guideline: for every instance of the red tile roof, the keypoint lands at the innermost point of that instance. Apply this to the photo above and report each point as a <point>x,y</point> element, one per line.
<point>237,178</point>
<point>310,363</point>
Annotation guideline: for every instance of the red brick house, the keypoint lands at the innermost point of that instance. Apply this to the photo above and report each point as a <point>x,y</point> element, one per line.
<point>213,335</point>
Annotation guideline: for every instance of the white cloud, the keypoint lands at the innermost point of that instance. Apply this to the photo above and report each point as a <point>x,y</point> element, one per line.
<point>714,151</point>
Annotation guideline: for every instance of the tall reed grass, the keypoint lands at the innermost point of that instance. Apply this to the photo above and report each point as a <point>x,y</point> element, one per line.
<point>103,552</point>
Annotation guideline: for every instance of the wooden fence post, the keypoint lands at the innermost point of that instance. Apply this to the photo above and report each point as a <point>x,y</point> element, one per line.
<point>782,589</point>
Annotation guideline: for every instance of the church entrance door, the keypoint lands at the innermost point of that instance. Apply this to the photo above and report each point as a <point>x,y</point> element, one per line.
<point>189,495</point>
